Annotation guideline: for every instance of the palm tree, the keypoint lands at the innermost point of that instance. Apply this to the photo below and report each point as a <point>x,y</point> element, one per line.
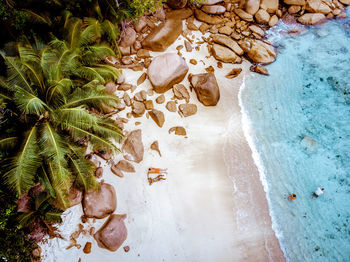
<point>52,102</point>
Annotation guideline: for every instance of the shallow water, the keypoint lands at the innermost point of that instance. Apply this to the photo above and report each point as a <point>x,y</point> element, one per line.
<point>299,123</point>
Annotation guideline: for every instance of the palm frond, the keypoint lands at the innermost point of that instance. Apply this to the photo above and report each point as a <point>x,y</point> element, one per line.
<point>92,97</point>
<point>22,168</point>
<point>58,91</point>
<point>45,181</point>
<point>91,33</point>
<point>53,216</point>
<point>26,218</point>
<point>41,19</point>
<point>29,103</point>
<point>73,31</point>
<point>96,53</point>
<point>78,115</point>
<point>111,32</point>
<point>8,143</point>
<point>61,186</point>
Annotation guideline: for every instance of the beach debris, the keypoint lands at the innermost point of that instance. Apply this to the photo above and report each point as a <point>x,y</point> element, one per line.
<point>125,166</point>
<point>133,147</point>
<point>166,70</point>
<point>163,35</point>
<point>180,92</point>
<point>126,249</point>
<point>206,88</point>
<point>113,233</point>
<point>141,79</point>
<point>234,73</point>
<point>259,69</point>
<point>160,99</point>
<point>171,106</point>
<point>115,170</point>
<point>157,116</point>
<point>155,147</point>
<point>98,172</point>
<point>187,109</point>
<point>179,130</point>
<point>100,203</point>
<point>87,248</point>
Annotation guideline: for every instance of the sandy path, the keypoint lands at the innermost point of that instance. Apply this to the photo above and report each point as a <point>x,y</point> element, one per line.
<point>212,207</point>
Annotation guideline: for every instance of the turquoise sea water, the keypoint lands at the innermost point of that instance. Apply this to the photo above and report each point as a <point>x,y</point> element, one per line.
<point>299,120</point>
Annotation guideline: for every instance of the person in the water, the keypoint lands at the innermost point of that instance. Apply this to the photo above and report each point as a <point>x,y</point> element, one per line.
<point>318,192</point>
<point>292,197</point>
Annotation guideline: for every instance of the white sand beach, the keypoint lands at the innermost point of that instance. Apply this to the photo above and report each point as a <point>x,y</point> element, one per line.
<point>212,207</point>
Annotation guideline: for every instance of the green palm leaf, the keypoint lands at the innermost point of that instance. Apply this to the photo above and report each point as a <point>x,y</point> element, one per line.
<point>8,143</point>
<point>29,103</point>
<point>53,216</point>
<point>22,168</point>
<point>26,218</point>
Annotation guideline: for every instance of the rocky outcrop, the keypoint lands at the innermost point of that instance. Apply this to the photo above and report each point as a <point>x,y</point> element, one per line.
<point>157,116</point>
<point>113,233</point>
<point>125,166</point>
<point>206,88</point>
<point>311,19</point>
<point>229,42</point>
<point>133,146</point>
<point>259,51</point>
<point>165,71</point>
<point>177,4</point>
<point>163,35</point>
<point>187,109</point>
<point>225,54</point>
<point>203,17</point>
<point>100,203</point>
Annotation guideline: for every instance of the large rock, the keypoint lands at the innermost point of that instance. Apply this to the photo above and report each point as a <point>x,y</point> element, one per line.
<point>262,16</point>
<point>177,4</point>
<point>295,2</point>
<point>133,146</point>
<point>214,9</point>
<point>113,233</point>
<point>203,17</point>
<point>225,54</point>
<point>229,42</point>
<point>244,15</point>
<point>163,35</point>
<point>311,19</point>
<point>317,6</point>
<point>100,203</point>
<point>165,71</point>
<point>258,51</point>
<point>270,6</point>
<point>157,116</point>
<point>206,88</point>
<point>128,37</point>
<point>250,6</point>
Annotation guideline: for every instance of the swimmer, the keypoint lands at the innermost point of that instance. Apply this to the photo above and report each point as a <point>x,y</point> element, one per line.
<point>292,197</point>
<point>318,192</point>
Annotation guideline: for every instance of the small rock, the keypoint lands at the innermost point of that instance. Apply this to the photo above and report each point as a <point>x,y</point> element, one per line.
<point>227,41</point>
<point>188,109</point>
<point>87,248</point>
<point>225,54</point>
<point>171,106</point>
<point>192,27</point>
<point>179,130</point>
<point>143,53</point>
<point>148,104</point>
<point>244,15</point>
<point>126,249</point>
<point>204,27</point>
<point>157,116</point>
<point>141,79</point>
<point>188,46</point>
<point>160,99</point>
<point>141,23</point>
<point>257,30</point>
<point>193,61</point>
<point>273,20</point>
<point>259,69</point>
<point>155,147</point>
<point>98,172</point>
<point>138,108</point>
<point>116,171</point>
<point>180,92</point>
<point>234,73</point>
<point>210,69</point>
<point>127,60</point>
<point>125,166</point>
<point>206,87</point>
<point>128,37</point>
<point>262,16</point>
<point>214,9</point>
<point>147,62</point>
<point>226,30</point>
<point>311,19</point>
<point>111,87</point>
<point>126,99</point>
<point>124,87</point>
<point>203,17</point>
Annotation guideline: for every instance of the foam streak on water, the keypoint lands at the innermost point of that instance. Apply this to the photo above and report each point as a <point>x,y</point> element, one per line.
<point>297,122</point>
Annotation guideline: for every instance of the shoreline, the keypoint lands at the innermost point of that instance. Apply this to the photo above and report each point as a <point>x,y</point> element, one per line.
<point>205,202</point>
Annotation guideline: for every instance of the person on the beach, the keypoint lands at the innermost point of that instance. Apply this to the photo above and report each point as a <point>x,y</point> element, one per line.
<point>156,179</point>
<point>318,192</point>
<point>157,170</point>
<point>292,197</point>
